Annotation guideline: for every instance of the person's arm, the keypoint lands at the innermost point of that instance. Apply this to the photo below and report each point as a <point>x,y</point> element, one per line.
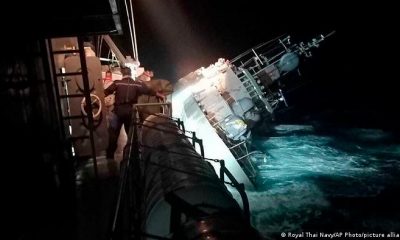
<point>110,90</point>
<point>146,90</point>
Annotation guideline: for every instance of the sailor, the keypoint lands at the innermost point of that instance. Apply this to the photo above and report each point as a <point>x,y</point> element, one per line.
<point>126,92</point>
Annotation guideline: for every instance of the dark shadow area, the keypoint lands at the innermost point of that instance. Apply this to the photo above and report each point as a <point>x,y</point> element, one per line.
<point>378,214</point>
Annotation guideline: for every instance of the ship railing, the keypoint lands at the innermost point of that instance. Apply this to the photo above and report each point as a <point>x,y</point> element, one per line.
<point>223,172</point>
<point>165,106</point>
<point>258,59</point>
<point>265,47</point>
<point>167,113</point>
<point>262,56</point>
<point>242,155</point>
<point>268,53</point>
<point>132,165</point>
<point>238,149</point>
<point>126,197</point>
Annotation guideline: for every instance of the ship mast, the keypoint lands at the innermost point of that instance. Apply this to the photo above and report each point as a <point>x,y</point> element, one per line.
<point>131,24</point>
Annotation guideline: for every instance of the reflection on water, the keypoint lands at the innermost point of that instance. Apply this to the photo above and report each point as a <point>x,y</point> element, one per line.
<point>347,180</point>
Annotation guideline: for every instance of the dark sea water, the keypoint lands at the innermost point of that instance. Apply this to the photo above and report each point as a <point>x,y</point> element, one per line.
<point>341,180</point>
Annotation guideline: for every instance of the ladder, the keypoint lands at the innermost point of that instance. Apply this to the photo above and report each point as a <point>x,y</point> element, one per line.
<point>64,98</point>
<point>254,90</point>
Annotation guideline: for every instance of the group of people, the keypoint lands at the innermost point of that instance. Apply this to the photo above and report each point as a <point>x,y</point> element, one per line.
<point>127,90</point>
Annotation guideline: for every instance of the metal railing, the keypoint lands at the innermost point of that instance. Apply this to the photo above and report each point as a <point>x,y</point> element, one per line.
<point>132,170</point>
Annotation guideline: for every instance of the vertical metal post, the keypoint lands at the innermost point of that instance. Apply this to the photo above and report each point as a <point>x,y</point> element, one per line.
<point>88,100</point>
<point>194,139</point>
<point>222,171</point>
<point>55,90</point>
<point>135,53</point>
<point>245,200</point>
<point>200,141</point>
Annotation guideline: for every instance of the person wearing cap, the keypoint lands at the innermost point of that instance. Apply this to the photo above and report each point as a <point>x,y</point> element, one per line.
<point>126,92</point>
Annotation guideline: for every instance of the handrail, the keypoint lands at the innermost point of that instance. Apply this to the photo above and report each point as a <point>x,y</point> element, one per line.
<point>239,187</point>
<point>255,48</point>
<point>162,104</point>
<point>133,164</point>
<point>132,154</point>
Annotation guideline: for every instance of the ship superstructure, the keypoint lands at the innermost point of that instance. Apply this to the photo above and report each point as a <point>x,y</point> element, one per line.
<point>224,101</point>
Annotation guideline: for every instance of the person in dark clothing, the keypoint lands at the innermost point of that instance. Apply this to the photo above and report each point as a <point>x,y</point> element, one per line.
<point>126,91</point>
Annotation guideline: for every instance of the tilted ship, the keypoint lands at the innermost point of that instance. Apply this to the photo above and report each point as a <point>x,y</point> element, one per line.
<point>175,174</point>
<point>179,166</point>
<point>223,102</point>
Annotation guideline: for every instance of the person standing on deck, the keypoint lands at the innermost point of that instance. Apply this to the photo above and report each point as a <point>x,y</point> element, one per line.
<point>126,92</point>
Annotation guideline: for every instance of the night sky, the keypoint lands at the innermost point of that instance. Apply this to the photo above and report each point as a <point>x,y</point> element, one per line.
<point>350,72</point>
<point>177,37</point>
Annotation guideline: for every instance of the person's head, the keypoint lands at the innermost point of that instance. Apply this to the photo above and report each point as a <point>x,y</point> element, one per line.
<point>126,71</point>
<point>133,65</point>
